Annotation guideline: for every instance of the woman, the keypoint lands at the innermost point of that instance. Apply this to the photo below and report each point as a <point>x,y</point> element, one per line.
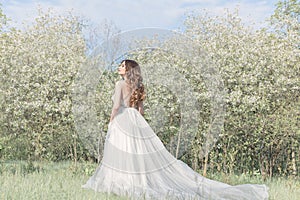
<point>136,163</point>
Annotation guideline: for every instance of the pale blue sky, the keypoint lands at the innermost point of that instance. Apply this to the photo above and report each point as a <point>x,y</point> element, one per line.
<point>131,14</point>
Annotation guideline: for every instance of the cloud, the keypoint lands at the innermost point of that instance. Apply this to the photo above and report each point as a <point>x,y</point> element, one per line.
<point>25,11</point>
<point>138,13</point>
<point>130,14</point>
<point>254,11</point>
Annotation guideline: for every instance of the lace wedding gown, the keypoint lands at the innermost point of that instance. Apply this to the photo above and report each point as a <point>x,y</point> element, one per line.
<point>137,165</point>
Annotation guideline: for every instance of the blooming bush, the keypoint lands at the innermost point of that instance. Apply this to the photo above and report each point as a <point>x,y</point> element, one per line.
<point>260,70</point>
<point>38,65</point>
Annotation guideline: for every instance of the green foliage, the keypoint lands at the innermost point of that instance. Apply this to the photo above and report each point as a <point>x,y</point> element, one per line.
<point>261,73</point>
<point>3,20</point>
<point>38,66</point>
<point>288,8</point>
<point>286,17</point>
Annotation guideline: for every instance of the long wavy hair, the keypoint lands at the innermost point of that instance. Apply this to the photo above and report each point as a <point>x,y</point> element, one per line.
<point>135,81</point>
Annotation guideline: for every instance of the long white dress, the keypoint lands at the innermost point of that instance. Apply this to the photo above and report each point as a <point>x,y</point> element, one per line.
<point>136,164</point>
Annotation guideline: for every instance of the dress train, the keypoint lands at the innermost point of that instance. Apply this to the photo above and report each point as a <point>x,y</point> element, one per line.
<point>137,165</point>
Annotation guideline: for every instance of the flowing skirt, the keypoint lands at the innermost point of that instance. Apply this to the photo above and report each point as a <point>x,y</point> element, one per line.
<point>136,164</point>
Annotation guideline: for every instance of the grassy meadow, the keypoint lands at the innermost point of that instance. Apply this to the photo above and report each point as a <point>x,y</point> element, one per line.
<point>63,180</point>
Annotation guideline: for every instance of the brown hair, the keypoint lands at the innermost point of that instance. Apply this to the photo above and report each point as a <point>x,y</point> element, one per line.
<point>135,81</point>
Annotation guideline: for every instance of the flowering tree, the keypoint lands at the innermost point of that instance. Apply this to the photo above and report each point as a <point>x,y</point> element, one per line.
<point>286,16</point>
<point>261,73</point>
<point>38,65</point>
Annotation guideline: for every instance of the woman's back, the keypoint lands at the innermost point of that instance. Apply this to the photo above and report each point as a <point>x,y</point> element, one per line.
<point>122,94</point>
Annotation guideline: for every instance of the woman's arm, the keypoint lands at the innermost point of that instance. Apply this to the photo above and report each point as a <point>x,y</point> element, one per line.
<point>113,113</point>
<point>116,100</point>
<point>141,107</point>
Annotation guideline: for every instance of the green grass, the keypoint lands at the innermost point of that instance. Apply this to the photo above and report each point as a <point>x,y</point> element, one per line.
<point>20,180</point>
<point>280,188</point>
<point>63,180</point>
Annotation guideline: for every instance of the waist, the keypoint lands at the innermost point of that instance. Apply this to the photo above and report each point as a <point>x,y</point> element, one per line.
<point>122,107</point>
